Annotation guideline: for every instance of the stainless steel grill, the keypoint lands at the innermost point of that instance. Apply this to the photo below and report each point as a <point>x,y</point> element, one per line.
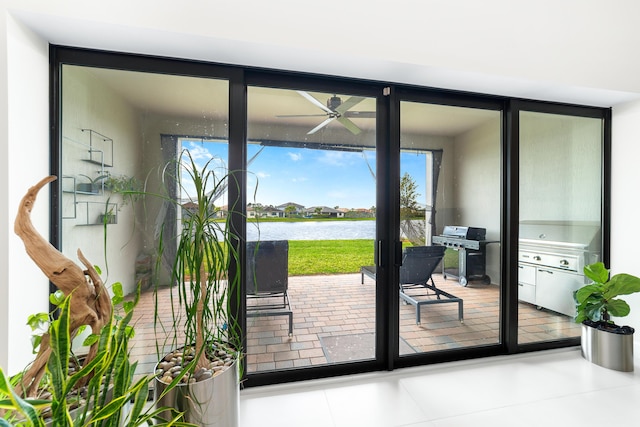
<point>551,259</point>
<point>470,244</point>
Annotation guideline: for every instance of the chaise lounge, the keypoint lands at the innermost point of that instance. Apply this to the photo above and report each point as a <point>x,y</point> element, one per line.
<point>267,280</point>
<point>416,282</point>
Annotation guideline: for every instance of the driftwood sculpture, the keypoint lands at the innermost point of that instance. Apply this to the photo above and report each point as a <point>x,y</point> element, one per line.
<point>90,301</point>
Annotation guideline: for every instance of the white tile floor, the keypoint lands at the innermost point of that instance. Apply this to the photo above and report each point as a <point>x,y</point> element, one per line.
<point>551,388</point>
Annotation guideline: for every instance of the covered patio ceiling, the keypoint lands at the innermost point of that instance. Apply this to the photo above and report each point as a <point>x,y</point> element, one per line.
<point>197,98</point>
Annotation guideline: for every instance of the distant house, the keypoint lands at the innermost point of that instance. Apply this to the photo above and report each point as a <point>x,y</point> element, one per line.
<point>325,211</point>
<point>222,211</point>
<point>291,207</point>
<point>259,211</point>
<point>271,212</point>
<point>191,207</point>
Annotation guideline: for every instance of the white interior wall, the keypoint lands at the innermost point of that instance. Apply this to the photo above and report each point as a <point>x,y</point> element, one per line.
<point>560,160</point>
<point>477,183</point>
<point>5,226</point>
<point>625,203</point>
<point>88,104</point>
<point>459,45</point>
<point>26,141</point>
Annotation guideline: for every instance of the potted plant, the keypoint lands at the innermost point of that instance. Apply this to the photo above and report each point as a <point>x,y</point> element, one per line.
<point>603,342</point>
<point>76,392</point>
<point>58,388</point>
<point>129,187</point>
<point>110,215</point>
<point>204,366</point>
<point>93,186</point>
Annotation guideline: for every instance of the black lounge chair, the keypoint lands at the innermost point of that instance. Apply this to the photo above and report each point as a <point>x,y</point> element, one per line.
<point>267,280</point>
<point>418,265</point>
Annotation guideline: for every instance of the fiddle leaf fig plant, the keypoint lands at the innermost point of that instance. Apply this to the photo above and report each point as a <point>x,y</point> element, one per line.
<point>597,302</point>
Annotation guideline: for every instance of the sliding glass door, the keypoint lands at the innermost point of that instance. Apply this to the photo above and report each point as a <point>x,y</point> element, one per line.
<point>379,226</point>
<point>560,223</point>
<point>450,202</point>
<point>311,225</point>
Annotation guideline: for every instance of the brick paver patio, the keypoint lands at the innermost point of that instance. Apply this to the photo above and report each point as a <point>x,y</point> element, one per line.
<point>334,322</point>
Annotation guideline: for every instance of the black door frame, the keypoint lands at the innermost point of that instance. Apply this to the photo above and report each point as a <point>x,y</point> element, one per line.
<point>388,97</point>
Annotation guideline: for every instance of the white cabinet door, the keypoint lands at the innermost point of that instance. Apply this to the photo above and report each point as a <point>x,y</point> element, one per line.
<point>527,283</point>
<point>554,290</point>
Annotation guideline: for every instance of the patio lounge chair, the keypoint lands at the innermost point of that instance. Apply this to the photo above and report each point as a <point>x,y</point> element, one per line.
<point>267,279</point>
<point>418,264</point>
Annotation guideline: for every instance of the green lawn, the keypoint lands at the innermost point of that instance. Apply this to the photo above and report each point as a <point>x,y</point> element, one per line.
<point>308,257</point>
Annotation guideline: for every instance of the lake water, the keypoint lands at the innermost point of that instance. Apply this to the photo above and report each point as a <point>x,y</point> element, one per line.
<point>312,230</point>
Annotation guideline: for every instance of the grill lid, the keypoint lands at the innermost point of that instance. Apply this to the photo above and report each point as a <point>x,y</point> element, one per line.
<point>573,234</point>
<point>460,232</point>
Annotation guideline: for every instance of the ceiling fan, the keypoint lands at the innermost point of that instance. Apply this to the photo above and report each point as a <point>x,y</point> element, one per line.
<point>335,110</point>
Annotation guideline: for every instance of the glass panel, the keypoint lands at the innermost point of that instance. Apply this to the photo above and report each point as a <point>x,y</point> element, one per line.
<point>450,227</point>
<point>560,220</point>
<point>311,227</point>
<point>119,128</point>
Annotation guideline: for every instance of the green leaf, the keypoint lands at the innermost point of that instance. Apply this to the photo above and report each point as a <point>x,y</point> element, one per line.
<point>597,272</point>
<point>622,284</point>
<point>128,306</point>
<point>109,409</point>
<point>117,289</point>
<point>118,293</point>
<point>582,294</point>
<point>97,269</point>
<point>81,329</point>
<point>22,406</point>
<point>140,392</point>
<point>594,311</point>
<point>618,308</point>
<point>38,320</point>
<point>56,298</point>
<point>90,340</point>
<point>58,363</point>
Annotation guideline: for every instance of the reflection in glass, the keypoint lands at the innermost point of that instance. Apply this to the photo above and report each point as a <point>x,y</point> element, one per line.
<point>311,211</point>
<point>450,185</point>
<point>560,220</point>
<point>119,129</point>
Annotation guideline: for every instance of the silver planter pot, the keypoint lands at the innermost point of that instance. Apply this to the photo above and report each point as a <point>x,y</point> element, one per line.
<point>607,349</point>
<point>209,403</point>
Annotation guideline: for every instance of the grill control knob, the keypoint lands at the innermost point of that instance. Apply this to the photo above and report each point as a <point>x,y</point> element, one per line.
<point>537,258</point>
<point>564,262</point>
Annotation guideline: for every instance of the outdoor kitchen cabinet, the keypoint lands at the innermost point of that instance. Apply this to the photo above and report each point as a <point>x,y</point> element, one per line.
<point>548,288</point>
<point>527,283</point>
<point>551,259</point>
<point>554,290</point>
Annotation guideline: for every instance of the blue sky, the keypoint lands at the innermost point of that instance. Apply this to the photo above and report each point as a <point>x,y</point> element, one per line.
<point>312,177</point>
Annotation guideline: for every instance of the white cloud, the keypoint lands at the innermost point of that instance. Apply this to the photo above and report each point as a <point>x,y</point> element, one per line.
<point>339,158</point>
<point>295,156</point>
<point>198,152</point>
<point>262,175</point>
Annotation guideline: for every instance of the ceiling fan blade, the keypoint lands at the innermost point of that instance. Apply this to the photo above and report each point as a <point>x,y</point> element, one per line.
<point>302,115</point>
<point>349,125</point>
<point>346,105</point>
<point>321,125</point>
<point>360,114</point>
<point>315,101</point>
